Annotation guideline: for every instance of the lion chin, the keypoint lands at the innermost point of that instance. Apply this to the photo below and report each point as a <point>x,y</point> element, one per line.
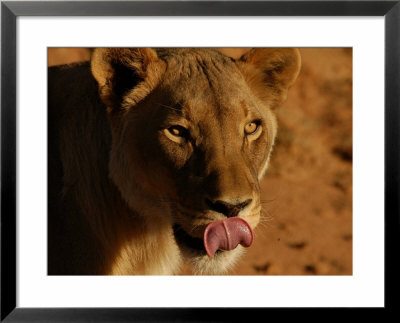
<point>222,262</point>
<point>155,157</point>
<point>193,252</point>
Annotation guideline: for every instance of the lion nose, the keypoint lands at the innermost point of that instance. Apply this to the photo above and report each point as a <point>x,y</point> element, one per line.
<point>228,209</point>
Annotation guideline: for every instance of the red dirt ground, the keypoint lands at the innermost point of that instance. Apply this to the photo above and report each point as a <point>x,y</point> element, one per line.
<point>306,227</point>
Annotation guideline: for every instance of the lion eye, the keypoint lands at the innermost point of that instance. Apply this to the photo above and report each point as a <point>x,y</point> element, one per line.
<point>178,131</point>
<point>251,127</point>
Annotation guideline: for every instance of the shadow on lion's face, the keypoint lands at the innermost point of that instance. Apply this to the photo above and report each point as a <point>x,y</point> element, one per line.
<point>192,133</point>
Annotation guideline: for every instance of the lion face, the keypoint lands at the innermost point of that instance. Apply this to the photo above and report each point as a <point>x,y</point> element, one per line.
<point>192,134</point>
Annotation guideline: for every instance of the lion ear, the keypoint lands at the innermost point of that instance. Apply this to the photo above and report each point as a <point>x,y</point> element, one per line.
<point>125,76</point>
<point>271,71</point>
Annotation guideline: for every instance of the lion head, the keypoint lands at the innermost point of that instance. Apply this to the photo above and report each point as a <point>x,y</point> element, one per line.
<point>192,133</point>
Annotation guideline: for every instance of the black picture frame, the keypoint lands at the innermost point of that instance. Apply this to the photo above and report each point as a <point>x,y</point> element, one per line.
<point>10,10</point>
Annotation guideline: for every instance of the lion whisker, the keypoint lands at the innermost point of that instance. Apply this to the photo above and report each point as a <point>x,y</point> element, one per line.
<point>168,107</point>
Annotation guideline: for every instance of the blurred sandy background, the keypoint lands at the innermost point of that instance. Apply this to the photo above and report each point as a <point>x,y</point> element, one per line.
<point>307,192</point>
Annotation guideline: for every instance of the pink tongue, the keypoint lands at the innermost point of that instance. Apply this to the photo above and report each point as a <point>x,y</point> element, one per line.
<point>226,235</point>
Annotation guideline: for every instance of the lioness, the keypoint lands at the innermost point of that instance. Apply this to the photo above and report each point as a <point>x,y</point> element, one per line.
<point>155,157</point>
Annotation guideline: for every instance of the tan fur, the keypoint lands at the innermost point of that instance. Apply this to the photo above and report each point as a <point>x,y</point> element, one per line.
<point>159,182</point>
